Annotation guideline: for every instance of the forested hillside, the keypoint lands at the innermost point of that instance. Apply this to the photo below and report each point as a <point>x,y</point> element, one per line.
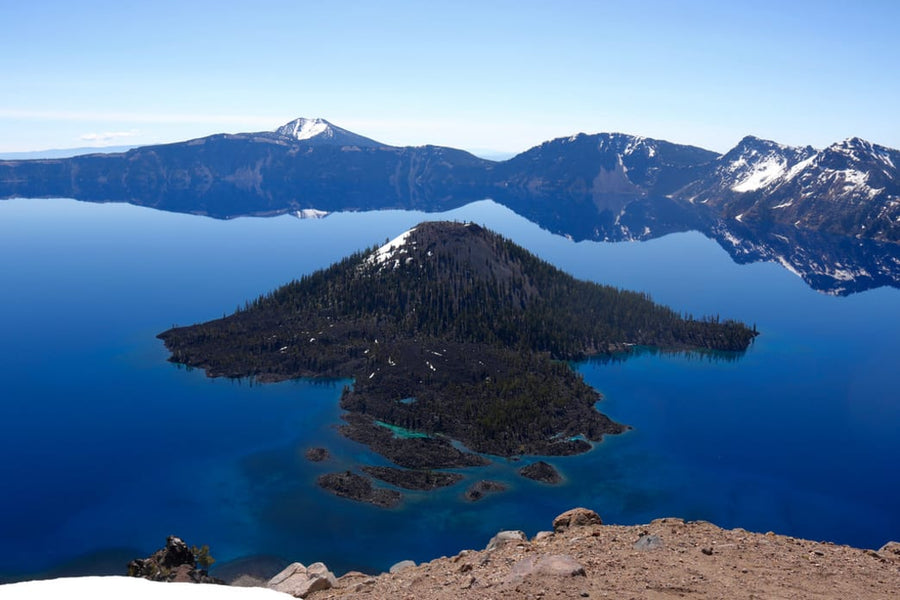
<point>450,329</point>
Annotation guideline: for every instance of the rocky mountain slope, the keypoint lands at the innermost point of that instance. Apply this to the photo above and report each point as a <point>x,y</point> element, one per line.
<point>616,185</point>
<point>583,558</point>
<point>850,188</point>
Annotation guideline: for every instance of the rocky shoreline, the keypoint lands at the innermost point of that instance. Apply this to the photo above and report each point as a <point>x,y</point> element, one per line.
<point>420,479</point>
<point>431,452</point>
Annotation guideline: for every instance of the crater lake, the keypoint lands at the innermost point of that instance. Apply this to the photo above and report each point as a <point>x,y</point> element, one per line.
<point>108,448</point>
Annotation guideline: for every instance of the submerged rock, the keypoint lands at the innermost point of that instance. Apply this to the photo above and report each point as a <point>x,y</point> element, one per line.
<point>317,454</point>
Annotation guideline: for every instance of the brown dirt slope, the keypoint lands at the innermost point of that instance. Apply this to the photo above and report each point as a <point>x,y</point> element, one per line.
<point>666,559</point>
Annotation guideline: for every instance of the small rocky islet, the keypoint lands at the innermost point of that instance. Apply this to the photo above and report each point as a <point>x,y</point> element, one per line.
<point>455,334</point>
<point>541,471</point>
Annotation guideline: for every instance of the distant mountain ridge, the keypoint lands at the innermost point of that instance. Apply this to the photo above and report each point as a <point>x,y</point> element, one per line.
<point>849,188</point>
<point>608,181</point>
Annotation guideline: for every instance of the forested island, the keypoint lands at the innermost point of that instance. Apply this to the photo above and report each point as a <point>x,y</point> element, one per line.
<point>450,333</point>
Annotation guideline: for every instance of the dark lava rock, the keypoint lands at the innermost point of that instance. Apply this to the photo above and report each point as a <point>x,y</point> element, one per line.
<point>477,490</point>
<point>413,479</point>
<point>359,488</point>
<point>175,562</point>
<point>317,454</point>
<point>541,471</point>
<point>412,453</point>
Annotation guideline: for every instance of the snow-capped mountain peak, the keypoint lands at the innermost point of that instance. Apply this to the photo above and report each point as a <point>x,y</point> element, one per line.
<point>757,163</point>
<point>304,129</point>
<point>320,132</point>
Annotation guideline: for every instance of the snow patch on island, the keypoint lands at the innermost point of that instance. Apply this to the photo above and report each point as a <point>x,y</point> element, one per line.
<point>391,249</point>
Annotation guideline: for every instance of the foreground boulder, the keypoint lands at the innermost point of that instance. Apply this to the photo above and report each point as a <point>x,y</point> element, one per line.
<point>505,537</point>
<point>299,581</point>
<point>577,517</point>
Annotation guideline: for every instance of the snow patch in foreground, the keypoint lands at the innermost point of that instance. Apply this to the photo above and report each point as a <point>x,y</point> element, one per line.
<point>132,588</point>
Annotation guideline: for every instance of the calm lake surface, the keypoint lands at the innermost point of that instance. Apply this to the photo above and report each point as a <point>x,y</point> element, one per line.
<point>107,446</point>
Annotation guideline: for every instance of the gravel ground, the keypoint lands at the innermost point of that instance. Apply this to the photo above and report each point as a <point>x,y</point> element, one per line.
<point>667,558</point>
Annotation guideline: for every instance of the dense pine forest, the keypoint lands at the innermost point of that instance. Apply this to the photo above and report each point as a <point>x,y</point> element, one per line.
<point>450,330</point>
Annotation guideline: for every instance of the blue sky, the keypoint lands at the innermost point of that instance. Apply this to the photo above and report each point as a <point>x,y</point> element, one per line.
<point>489,75</point>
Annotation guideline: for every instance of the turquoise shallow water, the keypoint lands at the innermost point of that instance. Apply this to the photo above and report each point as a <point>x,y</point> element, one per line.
<point>107,445</point>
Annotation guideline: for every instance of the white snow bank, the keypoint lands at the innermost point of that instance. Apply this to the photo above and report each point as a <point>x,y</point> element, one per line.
<point>761,174</point>
<point>311,213</point>
<point>304,129</point>
<point>132,588</point>
<point>387,251</point>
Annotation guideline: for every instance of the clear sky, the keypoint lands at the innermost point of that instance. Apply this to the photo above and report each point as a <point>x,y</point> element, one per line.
<point>484,75</point>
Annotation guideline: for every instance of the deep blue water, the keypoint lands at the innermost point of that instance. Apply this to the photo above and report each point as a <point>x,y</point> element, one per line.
<point>106,445</point>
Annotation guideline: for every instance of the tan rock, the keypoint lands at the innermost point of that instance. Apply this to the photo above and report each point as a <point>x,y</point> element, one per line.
<point>542,535</point>
<point>300,581</point>
<point>402,565</point>
<point>505,537</point>
<point>286,573</point>
<point>577,517</point>
<point>890,550</point>
<point>320,570</point>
